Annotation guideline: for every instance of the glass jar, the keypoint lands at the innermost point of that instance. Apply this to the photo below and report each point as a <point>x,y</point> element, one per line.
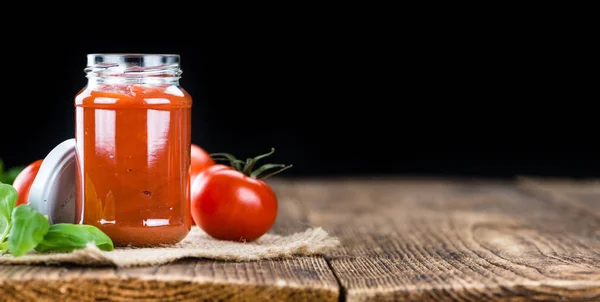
<point>133,137</point>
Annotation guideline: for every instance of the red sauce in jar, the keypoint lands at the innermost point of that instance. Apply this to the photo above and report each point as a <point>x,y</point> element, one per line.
<point>133,161</point>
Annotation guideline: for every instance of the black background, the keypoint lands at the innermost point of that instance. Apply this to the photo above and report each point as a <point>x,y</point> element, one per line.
<point>343,104</point>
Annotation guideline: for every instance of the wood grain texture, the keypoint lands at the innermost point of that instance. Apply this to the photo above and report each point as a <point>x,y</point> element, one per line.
<point>299,279</point>
<point>454,241</point>
<point>402,239</point>
<point>583,194</point>
<point>303,279</point>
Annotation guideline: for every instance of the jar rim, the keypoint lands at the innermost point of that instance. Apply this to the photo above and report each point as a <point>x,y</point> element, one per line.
<point>137,63</point>
<point>122,56</point>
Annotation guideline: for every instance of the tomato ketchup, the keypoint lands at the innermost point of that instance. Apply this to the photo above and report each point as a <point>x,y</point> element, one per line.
<point>133,137</point>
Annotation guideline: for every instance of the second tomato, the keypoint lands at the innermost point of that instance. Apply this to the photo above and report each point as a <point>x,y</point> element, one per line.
<point>200,161</point>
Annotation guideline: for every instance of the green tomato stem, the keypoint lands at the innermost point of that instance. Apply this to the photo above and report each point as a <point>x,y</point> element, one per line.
<point>276,172</point>
<point>249,164</point>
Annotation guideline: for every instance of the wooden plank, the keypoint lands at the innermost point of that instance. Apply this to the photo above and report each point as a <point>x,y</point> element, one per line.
<point>454,241</point>
<point>302,279</point>
<point>299,279</point>
<point>580,193</point>
<point>401,240</point>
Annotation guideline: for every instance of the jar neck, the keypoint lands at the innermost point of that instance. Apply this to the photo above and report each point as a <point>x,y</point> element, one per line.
<point>120,80</point>
<point>152,69</point>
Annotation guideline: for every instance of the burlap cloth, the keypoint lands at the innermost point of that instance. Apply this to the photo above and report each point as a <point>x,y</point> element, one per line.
<point>196,245</point>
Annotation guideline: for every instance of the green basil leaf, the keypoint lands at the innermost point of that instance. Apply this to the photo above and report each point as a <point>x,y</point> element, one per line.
<point>8,198</point>
<point>12,173</point>
<point>66,237</point>
<point>3,247</point>
<point>28,229</point>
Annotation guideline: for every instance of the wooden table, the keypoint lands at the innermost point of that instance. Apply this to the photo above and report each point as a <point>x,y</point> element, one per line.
<point>402,239</point>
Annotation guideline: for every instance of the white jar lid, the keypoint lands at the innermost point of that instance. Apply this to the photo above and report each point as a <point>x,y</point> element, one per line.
<point>52,192</point>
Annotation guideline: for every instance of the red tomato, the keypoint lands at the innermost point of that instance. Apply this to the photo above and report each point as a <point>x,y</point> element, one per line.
<point>200,161</point>
<point>24,180</point>
<point>229,205</point>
